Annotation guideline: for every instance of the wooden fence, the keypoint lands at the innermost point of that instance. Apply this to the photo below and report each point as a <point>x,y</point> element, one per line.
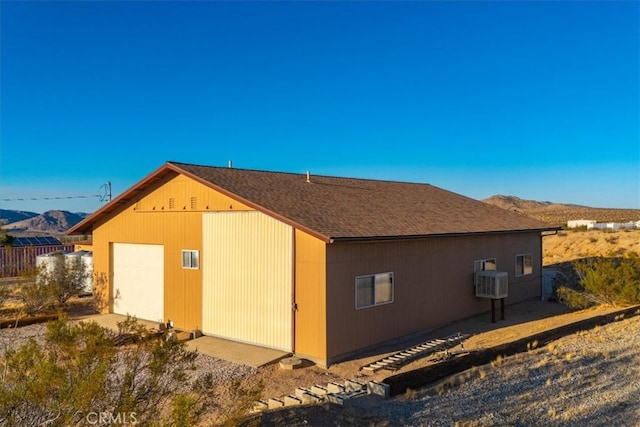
<point>18,261</point>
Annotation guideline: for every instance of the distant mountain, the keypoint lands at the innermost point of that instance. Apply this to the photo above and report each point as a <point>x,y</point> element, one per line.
<point>9,216</point>
<point>560,213</point>
<point>514,203</point>
<point>50,222</point>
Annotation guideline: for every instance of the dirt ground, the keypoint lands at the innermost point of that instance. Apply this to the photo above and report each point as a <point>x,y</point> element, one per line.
<point>571,245</point>
<point>522,320</point>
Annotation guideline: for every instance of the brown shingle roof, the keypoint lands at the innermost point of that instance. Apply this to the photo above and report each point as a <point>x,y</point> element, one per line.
<point>339,208</point>
<point>344,208</point>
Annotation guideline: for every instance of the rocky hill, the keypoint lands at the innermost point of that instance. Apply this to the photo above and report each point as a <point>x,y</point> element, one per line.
<point>57,221</point>
<point>50,222</point>
<point>560,213</point>
<point>8,216</point>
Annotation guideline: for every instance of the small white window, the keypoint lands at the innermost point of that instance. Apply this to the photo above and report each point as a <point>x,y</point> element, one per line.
<point>524,264</point>
<point>190,259</point>
<point>484,265</point>
<point>374,289</point>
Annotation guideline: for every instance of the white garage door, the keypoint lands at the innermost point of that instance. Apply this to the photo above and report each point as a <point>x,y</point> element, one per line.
<point>138,280</point>
<point>247,278</point>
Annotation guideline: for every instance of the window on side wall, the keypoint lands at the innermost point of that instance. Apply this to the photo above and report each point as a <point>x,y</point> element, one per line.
<point>524,264</point>
<point>488,264</point>
<point>374,289</point>
<point>190,259</point>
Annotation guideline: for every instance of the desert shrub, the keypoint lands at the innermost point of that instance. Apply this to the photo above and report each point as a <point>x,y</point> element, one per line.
<point>5,293</point>
<point>66,277</point>
<point>617,252</point>
<point>243,396</point>
<point>5,239</point>
<point>79,372</point>
<point>411,395</point>
<point>185,411</point>
<point>201,403</point>
<point>610,280</point>
<point>611,239</point>
<point>99,293</point>
<point>36,295</point>
<point>575,299</point>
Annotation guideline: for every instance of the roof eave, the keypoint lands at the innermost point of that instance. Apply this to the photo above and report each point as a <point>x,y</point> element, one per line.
<point>86,225</point>
<point>356,239</point>
<point>253,205</point>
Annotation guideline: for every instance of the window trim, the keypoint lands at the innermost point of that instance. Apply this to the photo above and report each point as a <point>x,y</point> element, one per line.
<point>191,259</point>
<point>375,304</point>
<point>483,264</point>
<point>524,265</point>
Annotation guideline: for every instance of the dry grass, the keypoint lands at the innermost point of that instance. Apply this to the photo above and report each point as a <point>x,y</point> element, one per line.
<point>497,362</point>
<point>559,214</point>
<point>588,378</point>
<point>569,246</point>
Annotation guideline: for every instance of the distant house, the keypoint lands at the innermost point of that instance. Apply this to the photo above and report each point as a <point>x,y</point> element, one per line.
<point>20,257</point>
<point>324,267</point>
<point>593,224</point>
<point>35,241</point>
<point>614,226</point>
<point>580,223</point>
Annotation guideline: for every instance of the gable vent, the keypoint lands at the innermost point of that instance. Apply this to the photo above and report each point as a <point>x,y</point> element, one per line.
<point>193,203</point>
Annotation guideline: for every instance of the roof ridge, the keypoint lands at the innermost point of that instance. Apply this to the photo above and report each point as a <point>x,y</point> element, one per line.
<point>393,181</point>
<point>341,207</point>
<point>233,168</point>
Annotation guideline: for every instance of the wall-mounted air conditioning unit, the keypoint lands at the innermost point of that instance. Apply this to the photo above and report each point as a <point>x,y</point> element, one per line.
<point>491,284</point>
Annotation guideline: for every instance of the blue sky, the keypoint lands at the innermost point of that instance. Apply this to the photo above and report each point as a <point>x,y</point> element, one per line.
<point>534,99</point>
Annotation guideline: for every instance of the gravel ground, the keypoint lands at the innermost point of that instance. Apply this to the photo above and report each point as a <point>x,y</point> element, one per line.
<point>591,378</point>
<point>11,338</point>
<point>221,370</point>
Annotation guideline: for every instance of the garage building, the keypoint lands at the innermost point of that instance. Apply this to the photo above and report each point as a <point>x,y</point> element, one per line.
<point>323,267</point>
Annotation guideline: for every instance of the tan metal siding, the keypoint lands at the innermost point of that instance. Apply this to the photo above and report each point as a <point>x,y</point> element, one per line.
<point>149,221</point>
<point>182,194</point>
<point>311,313</point>
<point>247,278</point>
<point>433,285</point>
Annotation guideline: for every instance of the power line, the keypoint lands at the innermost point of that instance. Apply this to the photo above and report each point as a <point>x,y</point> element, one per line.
<point>23,199</point>
<point>104,195</point>
<point>105,192</point>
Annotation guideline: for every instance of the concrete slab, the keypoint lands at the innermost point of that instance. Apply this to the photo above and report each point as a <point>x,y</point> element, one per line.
<point>110,321</point>
<point>246,354</point>
<point>237,352</point>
